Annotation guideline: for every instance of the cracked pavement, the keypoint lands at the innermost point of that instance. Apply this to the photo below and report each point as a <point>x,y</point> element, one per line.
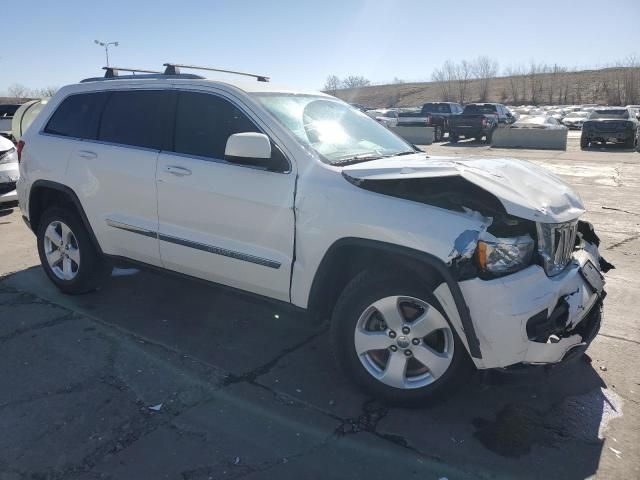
<point>248,391</point>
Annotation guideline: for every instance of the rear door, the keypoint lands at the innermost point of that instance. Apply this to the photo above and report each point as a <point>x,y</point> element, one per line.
<point>222,221</point>
<point>115,172</point>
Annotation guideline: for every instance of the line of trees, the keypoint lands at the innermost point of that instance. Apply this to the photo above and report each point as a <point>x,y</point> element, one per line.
<point>21,93</point>
<point>335,83</point>
<point>455,79</point>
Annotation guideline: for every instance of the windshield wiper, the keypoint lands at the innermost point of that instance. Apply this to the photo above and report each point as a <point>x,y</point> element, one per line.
<point>367,157</point>
<point>357,159</point>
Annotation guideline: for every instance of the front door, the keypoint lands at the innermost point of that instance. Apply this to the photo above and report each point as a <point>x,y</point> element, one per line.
<point>224,222</point>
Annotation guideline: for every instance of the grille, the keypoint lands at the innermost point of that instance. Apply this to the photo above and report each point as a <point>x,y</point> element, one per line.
<point>556,242</point>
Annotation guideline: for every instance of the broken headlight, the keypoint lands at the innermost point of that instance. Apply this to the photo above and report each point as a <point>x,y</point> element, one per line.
<point>505,255</point>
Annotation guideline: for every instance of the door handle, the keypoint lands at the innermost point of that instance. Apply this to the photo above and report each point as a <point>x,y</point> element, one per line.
<point>178,171</point>
<point>87,154</point>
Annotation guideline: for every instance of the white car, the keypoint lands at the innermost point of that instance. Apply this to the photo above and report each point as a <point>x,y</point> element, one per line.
<point>546,122</point>
<point>425,265</point>
<point>8,171</point>
<point>387,117</point>
<point>574,120</point>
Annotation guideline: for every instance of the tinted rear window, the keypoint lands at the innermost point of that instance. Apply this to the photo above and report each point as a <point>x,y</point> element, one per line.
<point>620,114</point>
<point>436,108</point>
<point>138,118</point>
<point>78,116</point>
<point>8,110</point>
<point>204,122</point>
<point>475,109</point>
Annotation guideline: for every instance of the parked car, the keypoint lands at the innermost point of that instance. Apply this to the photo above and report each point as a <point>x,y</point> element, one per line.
<point>8,171</point>
<point>426,266</point>
<point>432,114</point>
<point>6,115</point>
<point>24,116</point>
<point>635,109</point>
<point>386,116</point>
<point>575,120</point>
<point>612,124</point>
<point>479,120</point>
<point>546,122</point>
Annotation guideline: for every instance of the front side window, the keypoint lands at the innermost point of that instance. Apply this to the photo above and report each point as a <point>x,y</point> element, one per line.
<point>78,116</point>
<point>337,132</point>
<point>136,117</point>
<point>204,123</point>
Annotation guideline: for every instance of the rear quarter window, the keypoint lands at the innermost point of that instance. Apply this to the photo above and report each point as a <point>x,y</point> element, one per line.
<point>78,116</point>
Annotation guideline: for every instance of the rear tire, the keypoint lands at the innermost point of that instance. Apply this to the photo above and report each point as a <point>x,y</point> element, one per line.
<point>437,133</point>
<point>403,366</point>
<point>584,142</point>
<point>489,136</point>
<point>67,253</point>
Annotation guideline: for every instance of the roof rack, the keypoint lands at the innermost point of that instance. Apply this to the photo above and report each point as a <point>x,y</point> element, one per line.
<point>111,72</point>
<point>174,69</point>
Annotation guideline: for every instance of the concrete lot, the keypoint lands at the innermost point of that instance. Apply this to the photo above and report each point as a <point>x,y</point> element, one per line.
<point>241,390</point>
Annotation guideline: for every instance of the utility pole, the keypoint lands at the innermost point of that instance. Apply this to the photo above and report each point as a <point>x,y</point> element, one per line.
<point>106,47</point>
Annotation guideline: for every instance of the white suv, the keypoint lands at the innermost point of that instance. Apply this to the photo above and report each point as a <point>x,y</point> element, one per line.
<point>426,266</point>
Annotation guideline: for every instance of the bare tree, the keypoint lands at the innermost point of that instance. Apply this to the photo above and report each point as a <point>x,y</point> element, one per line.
<point>397,80</point>
<point>462,74</point>
<point>17,91</point>
<point>536,80</point>
<point>332,85</point>
<point>44,92</point>
<point>445,78</point>
<point>485,69</point>
<point>514,74</point>
<point>556,72</point>
<point>355,81</point>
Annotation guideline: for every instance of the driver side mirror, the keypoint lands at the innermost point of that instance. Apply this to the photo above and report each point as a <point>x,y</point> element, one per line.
<point>254,149</point>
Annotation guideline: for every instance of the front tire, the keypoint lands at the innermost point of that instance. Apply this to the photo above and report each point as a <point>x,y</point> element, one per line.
<point>391,336</point>
<point>68,256</point>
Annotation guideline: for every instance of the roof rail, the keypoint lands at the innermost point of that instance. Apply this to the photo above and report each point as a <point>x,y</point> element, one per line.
<point>174,69</point>
<point>111,72</point>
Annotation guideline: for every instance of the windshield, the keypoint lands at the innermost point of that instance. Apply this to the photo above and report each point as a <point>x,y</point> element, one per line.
<point>336,131</point>
<point>610,114</point>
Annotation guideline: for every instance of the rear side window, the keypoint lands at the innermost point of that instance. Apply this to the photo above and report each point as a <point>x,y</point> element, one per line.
<point>137,117</point>
<point>78,116</point>
<point>204,122</point>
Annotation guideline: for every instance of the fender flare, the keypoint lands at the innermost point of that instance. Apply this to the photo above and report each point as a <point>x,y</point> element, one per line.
<point>432,261</point>
<point>74,199</point>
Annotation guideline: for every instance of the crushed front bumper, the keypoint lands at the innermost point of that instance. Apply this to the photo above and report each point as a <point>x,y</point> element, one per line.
<point>530,318</point>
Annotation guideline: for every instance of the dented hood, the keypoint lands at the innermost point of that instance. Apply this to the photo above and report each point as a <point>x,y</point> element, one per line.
<point>525,189</point>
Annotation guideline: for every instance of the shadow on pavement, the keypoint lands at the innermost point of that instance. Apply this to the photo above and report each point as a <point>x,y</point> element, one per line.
<point>537,423</point>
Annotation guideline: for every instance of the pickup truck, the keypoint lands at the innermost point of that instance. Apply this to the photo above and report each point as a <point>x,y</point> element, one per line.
<point>432,114</point>
<point>479,120</point>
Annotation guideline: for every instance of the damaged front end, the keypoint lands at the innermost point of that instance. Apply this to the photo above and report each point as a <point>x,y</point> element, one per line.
<point>531,275</point>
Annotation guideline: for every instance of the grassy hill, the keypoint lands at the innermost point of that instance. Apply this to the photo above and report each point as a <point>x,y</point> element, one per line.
<point>610,86</point>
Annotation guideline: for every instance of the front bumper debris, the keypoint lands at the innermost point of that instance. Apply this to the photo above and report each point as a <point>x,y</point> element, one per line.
<point>530,318</point>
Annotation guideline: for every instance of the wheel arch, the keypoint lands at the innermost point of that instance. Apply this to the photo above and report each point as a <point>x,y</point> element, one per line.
<point>46,193</point>
<point>348,256</point>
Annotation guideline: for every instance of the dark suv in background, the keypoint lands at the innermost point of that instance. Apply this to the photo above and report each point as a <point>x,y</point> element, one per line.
<point>614,124</point>
<point>479,120</point>
<point>432,114</point>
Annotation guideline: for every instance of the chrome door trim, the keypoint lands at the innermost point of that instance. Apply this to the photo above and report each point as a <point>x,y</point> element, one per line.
<point>219,251</point>
<point>245,257</point>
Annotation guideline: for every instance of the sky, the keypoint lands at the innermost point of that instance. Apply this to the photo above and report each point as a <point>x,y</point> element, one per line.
<point>299,43</point>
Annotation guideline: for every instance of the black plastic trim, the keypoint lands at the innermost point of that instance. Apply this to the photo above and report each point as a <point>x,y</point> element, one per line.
<point>426,258</point>
<point>74,199</point>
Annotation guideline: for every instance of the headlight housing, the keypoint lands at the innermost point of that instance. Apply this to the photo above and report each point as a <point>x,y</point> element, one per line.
<point>10,156</point>
<point>500,256</point>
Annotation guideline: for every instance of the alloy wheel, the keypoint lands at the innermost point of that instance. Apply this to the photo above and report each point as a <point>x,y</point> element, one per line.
<point>61,250</point>
<point>404,342</point>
